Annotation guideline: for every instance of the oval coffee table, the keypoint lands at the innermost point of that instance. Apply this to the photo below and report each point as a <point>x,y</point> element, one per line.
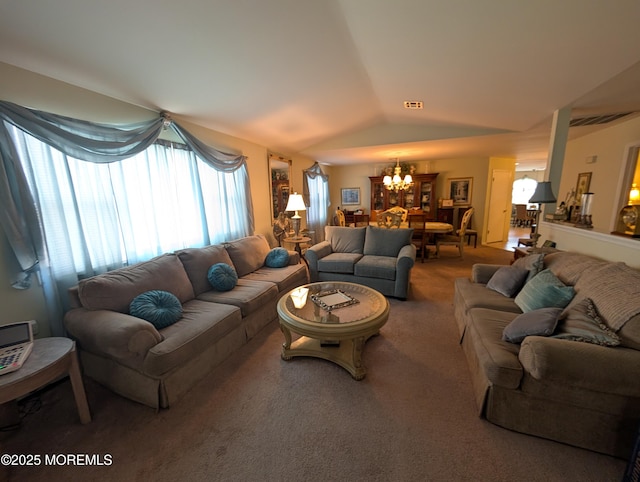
<point>330,331</point>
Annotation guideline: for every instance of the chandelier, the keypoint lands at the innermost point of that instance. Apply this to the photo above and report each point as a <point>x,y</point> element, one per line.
<point>397,183</point>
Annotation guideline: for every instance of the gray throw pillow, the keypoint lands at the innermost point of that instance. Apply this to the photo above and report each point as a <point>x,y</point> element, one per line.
<point>508,280</point>
<point>532,262</point>
<point>545,290</point>
<point>581,322</point>
<point>540,322</point>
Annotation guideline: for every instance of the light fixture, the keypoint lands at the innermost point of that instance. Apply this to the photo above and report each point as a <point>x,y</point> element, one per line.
<point>397,183</point>
<point>634,194</point>
<point>542,195</point>
<point>296,203</point>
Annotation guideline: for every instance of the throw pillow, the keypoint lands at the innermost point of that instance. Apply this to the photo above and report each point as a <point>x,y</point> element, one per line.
<point>160,308</point>
<point>277,258</point>
<point>545,290</point>
<point>533,262</point>
<point>508,280</point>
<point>582,322</point>
<point>540,322</point>
<point>222,277</point>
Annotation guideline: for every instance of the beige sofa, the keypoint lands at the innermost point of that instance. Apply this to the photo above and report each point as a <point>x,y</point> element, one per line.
<point>582,394</point>
<point>155,367</point>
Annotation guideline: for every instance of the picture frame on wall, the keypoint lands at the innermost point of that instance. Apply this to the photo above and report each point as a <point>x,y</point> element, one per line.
<point>582,185</point>
<point>350,196</point>
<point>460,189</point>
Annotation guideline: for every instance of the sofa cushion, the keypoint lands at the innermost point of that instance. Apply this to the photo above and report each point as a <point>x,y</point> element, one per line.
<point>476,295</point>
<point>383,267</point>
<point>534,263</point>
<point>581,322</point>
<point>386,242</point>
<point>116,289</point>
<point>248,254</point>
<point>498,358</point>
<point>202,325</point>
<point>339,262</point>
<point>277,258</point>
<point>248,295</point>
<point>508,280</point>
<point>160,308</point>
<point>285,278</point>
<point>544,291</point>
<point>197,261</point>
<point>344,239</point>
<point>222,277</point>
<point>540,322</point>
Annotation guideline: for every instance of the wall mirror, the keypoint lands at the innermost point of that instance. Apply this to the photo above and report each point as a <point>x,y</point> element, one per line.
<point>280,171</point>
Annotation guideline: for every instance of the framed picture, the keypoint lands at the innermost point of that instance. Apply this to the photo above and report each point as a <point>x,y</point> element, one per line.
<point>582,186</point>
<point>350,196</point>
<point>460,190</point>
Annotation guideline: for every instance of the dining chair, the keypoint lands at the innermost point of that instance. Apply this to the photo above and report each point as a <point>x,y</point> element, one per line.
<point>455,239</point>
<point>419,237</point>
<point>399,210</point>
<point>522,217</point>
<point>340,219</point>
<point>389,219</point>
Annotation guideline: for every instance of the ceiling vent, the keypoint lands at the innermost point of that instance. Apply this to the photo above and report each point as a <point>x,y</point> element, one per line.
<point>413,104</point>
<point>596,119</point>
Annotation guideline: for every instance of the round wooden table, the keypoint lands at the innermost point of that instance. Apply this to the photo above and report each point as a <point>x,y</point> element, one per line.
<point>335,334</point>
<point>50,359</point>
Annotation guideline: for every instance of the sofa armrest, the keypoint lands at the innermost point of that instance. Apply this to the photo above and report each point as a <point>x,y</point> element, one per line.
<point>116,335</point>
<point>614,370</point>
<point>482,273</point>
<point>313,254</point>
<point>404,262</point>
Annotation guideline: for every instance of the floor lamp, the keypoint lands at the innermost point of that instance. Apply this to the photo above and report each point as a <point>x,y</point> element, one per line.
<point>542,195</point>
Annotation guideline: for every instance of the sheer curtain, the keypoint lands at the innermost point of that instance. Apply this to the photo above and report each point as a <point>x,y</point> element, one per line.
<point>316,198</point>
<point>66,218</point>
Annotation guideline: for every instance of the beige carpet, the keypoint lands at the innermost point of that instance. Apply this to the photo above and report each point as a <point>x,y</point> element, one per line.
<point>259,418</point>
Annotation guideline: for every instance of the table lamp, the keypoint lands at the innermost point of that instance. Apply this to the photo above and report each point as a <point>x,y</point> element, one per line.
<point>296,204</point>
<point>542,195</point>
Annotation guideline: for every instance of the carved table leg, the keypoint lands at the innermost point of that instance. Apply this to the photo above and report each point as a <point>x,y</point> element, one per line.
<point>287,342</point>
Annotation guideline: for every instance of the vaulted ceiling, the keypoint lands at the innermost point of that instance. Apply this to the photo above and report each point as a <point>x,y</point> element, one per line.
<point>328,78</point>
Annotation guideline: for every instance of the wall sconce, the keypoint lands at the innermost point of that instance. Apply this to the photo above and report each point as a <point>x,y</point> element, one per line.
<point>299,297</point>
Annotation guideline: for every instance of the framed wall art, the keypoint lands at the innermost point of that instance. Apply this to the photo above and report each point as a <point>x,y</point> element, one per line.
<point>460,190</point>
<point>351,196</point>
<point>582,186</point>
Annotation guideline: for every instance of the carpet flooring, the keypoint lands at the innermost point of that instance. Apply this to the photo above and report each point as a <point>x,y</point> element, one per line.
<point>257,417</point>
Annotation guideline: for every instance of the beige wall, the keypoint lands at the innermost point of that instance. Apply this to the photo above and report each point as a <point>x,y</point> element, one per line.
<point>43,93</point>
<point>610,146</point>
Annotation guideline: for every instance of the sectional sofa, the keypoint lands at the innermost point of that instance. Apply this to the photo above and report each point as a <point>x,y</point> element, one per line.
<point>376,257</point>
<point>566,372</point>
<point>156,366</point>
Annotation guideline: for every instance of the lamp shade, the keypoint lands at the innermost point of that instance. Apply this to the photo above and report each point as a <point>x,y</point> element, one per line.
<point>543,194</point>
<point>295,203</point>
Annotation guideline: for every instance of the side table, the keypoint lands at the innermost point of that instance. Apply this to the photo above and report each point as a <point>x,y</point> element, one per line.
<point>51,358</point>
<point>297,241</point>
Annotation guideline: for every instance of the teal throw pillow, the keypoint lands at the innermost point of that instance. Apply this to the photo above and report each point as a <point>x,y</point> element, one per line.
<point>540,322</point>
<point>160,308</point>
<point>545,290</point>
<point>222,277</point>
<point>277,258</point>
<point>582,322</point>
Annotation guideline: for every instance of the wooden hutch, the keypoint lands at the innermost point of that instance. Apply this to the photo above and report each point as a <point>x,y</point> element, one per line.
<point>421,195</point>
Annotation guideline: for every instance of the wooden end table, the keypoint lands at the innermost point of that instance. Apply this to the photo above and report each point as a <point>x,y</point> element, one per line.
<point>50,359</point>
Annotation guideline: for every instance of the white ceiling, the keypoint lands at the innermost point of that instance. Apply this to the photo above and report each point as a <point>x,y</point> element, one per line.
<point>328,77</point>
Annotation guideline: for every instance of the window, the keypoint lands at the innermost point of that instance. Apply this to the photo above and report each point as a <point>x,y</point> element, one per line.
<point>99,216</point>
<point>523,189</point>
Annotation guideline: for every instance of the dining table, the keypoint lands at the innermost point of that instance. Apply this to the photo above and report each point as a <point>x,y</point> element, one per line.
<point>431,227</point>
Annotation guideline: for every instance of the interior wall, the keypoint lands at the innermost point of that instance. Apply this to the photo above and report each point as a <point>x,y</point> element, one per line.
<point>610,146</point>
<point>47,94</point>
